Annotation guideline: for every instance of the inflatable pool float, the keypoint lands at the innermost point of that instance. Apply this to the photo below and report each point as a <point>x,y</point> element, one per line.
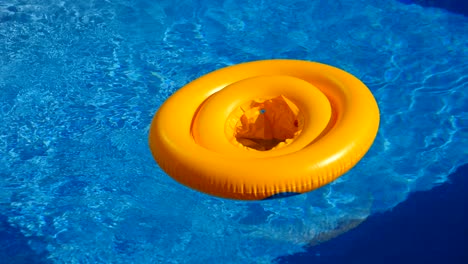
<point>264,129</point>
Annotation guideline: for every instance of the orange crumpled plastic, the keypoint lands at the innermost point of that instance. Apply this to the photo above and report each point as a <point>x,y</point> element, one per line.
<point>267,123</point>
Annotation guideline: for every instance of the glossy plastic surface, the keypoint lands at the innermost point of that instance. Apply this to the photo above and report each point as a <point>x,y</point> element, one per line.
<point>191,135</point>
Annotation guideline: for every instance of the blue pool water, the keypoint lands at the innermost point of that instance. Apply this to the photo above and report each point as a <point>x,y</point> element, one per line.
<point>456,6</point>
<point>428,227</point>
<point>80,81</point>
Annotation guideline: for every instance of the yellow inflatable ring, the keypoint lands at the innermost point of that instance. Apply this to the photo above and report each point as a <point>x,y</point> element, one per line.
<point>264,129</point>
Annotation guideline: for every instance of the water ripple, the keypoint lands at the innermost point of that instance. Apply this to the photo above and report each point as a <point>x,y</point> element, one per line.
<point>81,80</point>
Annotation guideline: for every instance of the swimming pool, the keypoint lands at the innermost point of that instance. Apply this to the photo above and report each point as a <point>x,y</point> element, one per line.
<point>81,80</point>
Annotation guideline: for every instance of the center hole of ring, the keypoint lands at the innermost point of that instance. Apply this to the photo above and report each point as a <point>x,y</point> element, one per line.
<point>268,124</point>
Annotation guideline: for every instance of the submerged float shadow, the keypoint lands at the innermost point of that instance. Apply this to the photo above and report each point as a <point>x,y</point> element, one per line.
<point>429,227</point>
<point>454,6</point>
